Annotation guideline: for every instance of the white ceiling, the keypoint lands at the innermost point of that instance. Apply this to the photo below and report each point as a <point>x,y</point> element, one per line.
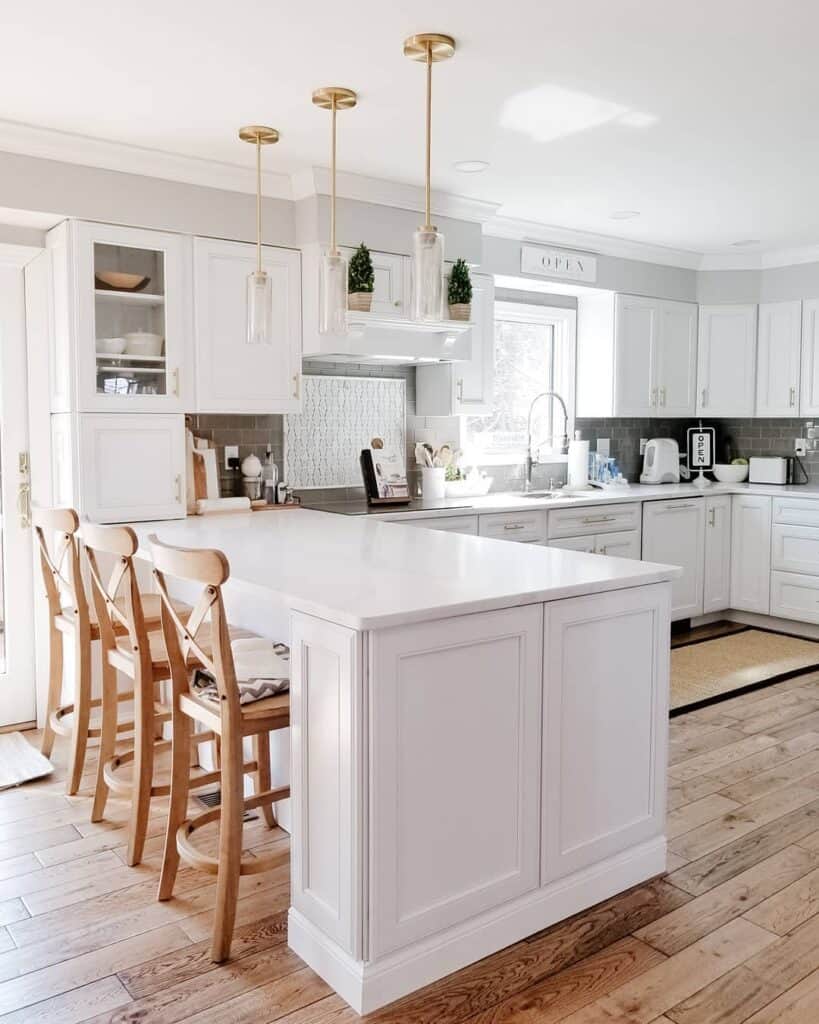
<point>699,115</point>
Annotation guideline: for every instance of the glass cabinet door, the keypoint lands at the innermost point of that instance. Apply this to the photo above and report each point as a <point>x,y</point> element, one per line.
<point>133,291</point>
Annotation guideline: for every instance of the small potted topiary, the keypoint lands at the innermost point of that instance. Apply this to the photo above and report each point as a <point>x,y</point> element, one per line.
<point>360,280</point>
<point>459,293</point>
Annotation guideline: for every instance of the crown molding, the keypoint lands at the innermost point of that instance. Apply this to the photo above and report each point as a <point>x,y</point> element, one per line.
<point>587,241</point>
<point>775,259</point>
<point>48,144</point>
<point>359,187</point>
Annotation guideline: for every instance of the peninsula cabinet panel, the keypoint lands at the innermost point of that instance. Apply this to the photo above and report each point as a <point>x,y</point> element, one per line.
<point>605,725</point>
<point>325,707</point>
<point>233,376</point>
<point>455,710</point>
<point>750,553</point>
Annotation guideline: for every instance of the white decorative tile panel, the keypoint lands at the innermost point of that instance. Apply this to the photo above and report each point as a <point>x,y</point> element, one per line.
<point>340,416</point>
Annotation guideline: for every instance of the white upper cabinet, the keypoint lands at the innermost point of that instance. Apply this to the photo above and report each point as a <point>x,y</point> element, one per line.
<point>636,356</point>
<point>391,295</point>
<point>464,388</point>
<point>232,375</point>
<point>726,366</point>
<point>809,404</point>
<point>779,344</point>
<point>122,296</point>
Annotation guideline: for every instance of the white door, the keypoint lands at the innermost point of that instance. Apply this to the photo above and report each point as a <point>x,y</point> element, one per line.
<point>779,344</point>
<point>676,362</point>
<point>809,405</point>
<point>674,534</point>
<point>17,680</point>
<point>726,361</point>
<point>750,553</point>
<point>231,375</point>
<point>717,574</point>
<point>636,328</point>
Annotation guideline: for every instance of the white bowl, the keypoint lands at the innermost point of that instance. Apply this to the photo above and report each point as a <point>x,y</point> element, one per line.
<point>141,343</point>
<point>111,346</point>
<point>728,474</point>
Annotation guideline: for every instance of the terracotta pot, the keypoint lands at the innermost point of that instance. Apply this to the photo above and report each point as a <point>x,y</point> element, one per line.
<point>460,310</point>
<point>360,302</point>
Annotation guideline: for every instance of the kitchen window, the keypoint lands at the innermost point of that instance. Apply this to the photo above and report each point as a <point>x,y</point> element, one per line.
<point>534,352</point>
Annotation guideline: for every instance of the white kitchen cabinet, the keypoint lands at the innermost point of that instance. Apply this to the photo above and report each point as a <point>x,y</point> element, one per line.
<point>624,544</point>
<point>795,596</point>
<point>750,553</point>
<point>717,571</point>
<point>809,400</point>
<point>233,376</point>
<point>779,346</point>
<point>726,361</point>
<point>524,527</point>
<point>587,544</point>
<point>90,313</point>
<point>604,743</point>
<point>795,549</point>
<point>131,468</point>
<point>434,860</point>
<point>579,522</point>
<point>391,294</point>
<point>636,356</point>
<point>674,534</point>
<point>464,388</point>
<point>447,524</point>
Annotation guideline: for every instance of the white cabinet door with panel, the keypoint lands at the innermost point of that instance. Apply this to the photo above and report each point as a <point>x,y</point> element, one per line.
<point>435,858</point>
<point>527,527</point>
<point>131,468</point>
<point>604,743</point>
<point>676,359</point>
<point>717,573</point>
<point>726,361</point>
<point>809,403</point>
<point>674,534</point>
<point>779,346</point>
<point>586,544</point>
<point>390,291</point>
<point>636,330</point>
<point>618,545</point>
<point>795,596</point>
<point>750,553</point>
<point>153,320</point>
<point>232,375</point>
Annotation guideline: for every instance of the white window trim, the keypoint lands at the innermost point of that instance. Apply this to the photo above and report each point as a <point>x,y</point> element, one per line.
<point>564,324</point>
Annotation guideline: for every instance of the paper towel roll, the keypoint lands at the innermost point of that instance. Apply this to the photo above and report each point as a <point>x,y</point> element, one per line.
<point>578,463</point>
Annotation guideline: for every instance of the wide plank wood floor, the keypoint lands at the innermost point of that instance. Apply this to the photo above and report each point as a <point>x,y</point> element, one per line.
<point>730,934</point>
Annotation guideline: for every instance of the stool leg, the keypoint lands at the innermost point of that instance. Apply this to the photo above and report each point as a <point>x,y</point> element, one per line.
<point>230,847</point>
<point>143,777</point>
<point>108,736</point>
<point>178,809</point>
<point>261,744</point>
<point>55,686</point>
<point>82,709</point>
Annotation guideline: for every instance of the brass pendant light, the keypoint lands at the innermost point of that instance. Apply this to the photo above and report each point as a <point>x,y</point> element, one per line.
<point>259,285</point>
<point>428,243</point>
<point>333,272</point>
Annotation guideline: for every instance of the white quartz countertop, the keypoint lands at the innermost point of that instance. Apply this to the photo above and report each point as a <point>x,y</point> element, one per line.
<point>367,574</point>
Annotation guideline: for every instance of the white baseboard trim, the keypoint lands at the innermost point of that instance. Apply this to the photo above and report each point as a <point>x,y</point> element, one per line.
<point>369,986</point>
<point>805,629</point>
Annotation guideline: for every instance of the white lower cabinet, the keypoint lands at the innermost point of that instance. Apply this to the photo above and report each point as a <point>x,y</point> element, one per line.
<point>795,596</point>
<point>716,593</point>
<point>587,544</point>
<point>625,544</point>
<point>524,527</point>
<point>453,831</point>
<point>750,553</point>
<point>674,534</point>
<point>448,524</point>
<point>604,741</point>
<point>131,467</point>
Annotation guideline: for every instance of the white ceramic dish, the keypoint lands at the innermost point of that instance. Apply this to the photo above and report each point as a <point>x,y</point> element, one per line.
<point>141,343</point>
<point>111,346</point>
<point>730,474</point>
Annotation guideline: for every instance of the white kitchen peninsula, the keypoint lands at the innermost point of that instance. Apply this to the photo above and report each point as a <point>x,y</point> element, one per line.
<point>478,742</point>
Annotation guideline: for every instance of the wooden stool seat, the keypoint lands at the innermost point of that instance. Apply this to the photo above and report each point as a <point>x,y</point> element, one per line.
<point>270,713</point>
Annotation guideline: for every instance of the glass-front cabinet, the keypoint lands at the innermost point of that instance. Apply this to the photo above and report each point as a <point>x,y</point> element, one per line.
<point>133,323</point>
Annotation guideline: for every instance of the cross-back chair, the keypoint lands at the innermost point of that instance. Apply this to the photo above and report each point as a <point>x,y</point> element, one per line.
<point>229,719</point>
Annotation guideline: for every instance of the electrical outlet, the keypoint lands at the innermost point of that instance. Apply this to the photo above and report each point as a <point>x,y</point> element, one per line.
<point>604,447</point>
<point>231,452</point>
<point>800,446</point>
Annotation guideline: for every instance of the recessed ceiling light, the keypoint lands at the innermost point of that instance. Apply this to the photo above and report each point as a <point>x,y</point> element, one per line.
<point>471,166</point>
<point>624,214</point>
<point>743,242</point>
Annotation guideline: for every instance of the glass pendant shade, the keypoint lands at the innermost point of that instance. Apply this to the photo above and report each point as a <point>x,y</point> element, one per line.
<point>427,274</point>
<point>259,308</point>
<point>333,294</point>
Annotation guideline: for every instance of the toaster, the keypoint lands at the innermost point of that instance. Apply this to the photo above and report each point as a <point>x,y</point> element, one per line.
<point>661,461</point>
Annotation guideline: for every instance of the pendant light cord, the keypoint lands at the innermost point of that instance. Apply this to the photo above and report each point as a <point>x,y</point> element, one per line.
<point>333,250</point>
<point>428,224</point>
<point>258,204</point>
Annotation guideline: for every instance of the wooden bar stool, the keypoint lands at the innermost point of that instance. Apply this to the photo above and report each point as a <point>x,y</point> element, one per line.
<point>226,716</point>
<point>128,647</point>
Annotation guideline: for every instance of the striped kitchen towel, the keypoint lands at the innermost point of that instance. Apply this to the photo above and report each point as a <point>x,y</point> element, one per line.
<point>262,670</point>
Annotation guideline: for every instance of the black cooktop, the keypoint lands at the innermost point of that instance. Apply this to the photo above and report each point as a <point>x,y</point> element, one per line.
<point>359,506</point>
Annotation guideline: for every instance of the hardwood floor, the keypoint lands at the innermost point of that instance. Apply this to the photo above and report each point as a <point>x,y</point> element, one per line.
<point>730,935</point>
